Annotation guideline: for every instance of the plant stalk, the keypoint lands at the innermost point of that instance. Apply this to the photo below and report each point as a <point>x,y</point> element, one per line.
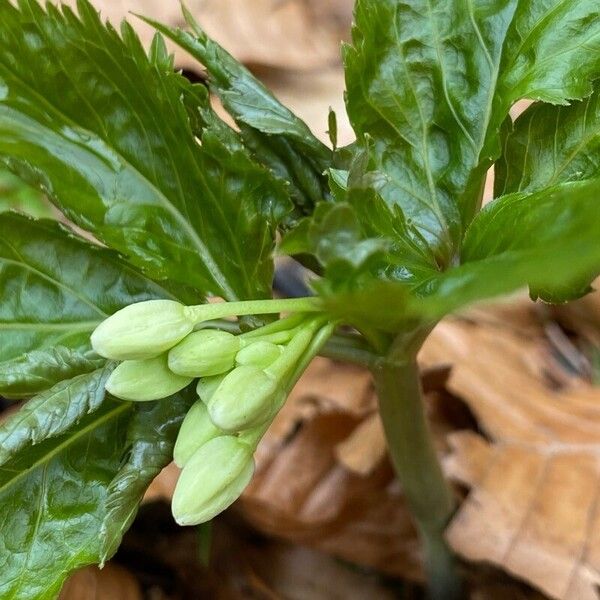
<point>413,454</point>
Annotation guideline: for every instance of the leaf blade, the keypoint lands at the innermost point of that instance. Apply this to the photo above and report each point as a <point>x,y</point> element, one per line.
<point>102,128</point>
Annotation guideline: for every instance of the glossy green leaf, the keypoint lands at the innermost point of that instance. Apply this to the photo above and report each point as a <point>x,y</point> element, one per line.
<point>432,82</point>
<point>102,128</point>
<point>149,448</point>
<point>55,289</point>
<point>551,52</point>
<point>550,145</point>
<point>278,138</point>
<point>17,195</point>
<point>62,470</point>
<point>547,240</point>
<point>54,412</point>
<point>420,77</point>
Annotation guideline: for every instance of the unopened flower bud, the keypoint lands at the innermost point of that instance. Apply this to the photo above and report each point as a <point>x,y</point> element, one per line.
<point>207,386</point>
<point>258,354</point>
<point>142,330</point>
<point>244,399</point>
<point>144,380</point>
<point>212,479</point>
<point>204,353</point>
<point>195,431</point>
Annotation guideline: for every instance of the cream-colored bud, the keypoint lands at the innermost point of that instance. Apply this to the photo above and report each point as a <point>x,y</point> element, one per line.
<point>144,380</point>
<point>244,399</point>
<point>258,354</point>
<point>212,479</point>
<point>204,353</point>
<point>195,431</point>
<point>142,330</point>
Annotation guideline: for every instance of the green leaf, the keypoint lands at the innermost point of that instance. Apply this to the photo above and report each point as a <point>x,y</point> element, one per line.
<point>102,128</point>
<point>551,53</point>
<point>551,145</point>
<point>53,412</point>
<point>547,240</point>
<point>277,137</point>
<point>17,195</point>
<point>55,289</point>
<point>57,494</point>
<point>420,77</point>
<point>432,82</point>
<point>150,441</point>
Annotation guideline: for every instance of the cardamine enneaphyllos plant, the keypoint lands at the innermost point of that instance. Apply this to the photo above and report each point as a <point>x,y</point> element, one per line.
<point>125,361</point>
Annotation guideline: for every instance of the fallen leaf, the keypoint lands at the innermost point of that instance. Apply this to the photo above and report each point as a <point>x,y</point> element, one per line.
<point>111,583</point>
<point>535,482</point>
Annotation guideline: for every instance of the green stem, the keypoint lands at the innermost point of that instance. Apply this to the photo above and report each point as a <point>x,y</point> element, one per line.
<point>414,457</point>
<point>219,310</point>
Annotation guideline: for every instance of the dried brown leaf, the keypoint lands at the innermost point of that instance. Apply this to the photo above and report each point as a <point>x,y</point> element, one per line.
<point>111,583</point>
<point>533,506</point>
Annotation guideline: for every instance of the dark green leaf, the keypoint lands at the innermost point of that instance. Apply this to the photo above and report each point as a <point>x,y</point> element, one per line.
<point>103,129</point>
<point>53,412</point>
<point>420,78</point>
<point>55,289</point>
<point>63,499</point>
<point>551,53</point>
<point>551,145</point>
<point>150,440</point>
<point>432,82</point>
<point>278,138</point>
<point>547,241</point>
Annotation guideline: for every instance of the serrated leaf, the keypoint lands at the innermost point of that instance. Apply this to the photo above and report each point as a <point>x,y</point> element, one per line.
<point>277,137</point>
<point>103,129</point>
<point>547,240</point>
<point>550,145</point>
<point>552,51</point>
<point>55,289</point>
<point>53,412</point>
<point>56,495</point>
<point>431,84</point>
<point>420,78</point>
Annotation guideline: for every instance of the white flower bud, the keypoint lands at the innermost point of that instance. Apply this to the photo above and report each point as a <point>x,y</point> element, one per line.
<point>204,353</point>
<point>244,399</point>
<point>142,330</point>
<point>258,354</point>
<point>207,386</point>
<point>144,380</point>
<point>195,431</point>
<point>212,479</point>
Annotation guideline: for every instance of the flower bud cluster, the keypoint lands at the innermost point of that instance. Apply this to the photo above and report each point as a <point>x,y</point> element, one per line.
<point>243,381</point>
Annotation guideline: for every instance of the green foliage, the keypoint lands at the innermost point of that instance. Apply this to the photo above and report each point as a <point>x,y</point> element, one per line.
<point>71,286</point>
<point>18,196</point>
<point>101,127</point>
<point>133,154</point>
<point>73,467</point>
